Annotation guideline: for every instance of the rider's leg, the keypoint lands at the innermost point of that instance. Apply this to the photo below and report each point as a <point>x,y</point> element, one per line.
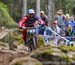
<point>25,36</point>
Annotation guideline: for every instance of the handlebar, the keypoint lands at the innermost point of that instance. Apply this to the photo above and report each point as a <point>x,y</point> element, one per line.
<point>26,28</point>
<point>29,28</point>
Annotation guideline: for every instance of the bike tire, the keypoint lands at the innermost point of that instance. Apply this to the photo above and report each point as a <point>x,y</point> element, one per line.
<point>32,44</point>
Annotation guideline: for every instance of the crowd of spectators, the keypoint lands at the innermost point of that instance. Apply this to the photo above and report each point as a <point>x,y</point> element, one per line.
<point>64,25</point>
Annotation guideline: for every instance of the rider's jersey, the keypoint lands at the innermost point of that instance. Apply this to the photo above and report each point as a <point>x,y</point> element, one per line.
<point>29,22</point>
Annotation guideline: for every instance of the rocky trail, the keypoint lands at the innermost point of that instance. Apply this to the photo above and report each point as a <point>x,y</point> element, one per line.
<point>45,55</point>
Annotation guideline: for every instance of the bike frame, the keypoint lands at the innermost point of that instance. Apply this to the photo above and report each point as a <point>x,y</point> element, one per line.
<point>31,38</point>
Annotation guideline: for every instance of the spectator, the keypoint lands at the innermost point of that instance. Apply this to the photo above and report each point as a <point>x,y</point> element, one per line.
<point>47,34</point>
<point>74,26</point>
<point>44,17</point>
<point>69,32</point>
<point>60,18</point>
<point>69,21</point>
<point>56,28</point>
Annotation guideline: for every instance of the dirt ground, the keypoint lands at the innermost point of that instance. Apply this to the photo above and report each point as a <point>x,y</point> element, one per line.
<point>6,57</point>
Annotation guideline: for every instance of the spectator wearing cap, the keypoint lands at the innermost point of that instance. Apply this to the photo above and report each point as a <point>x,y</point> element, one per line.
<point>44,17</point>
<point>42,27</point>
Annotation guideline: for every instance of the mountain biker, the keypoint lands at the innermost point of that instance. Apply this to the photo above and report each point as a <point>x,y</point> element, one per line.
<point>30,20</point>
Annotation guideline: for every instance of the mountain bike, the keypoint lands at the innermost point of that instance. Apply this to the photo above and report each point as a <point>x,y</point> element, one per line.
<point>31,41</point>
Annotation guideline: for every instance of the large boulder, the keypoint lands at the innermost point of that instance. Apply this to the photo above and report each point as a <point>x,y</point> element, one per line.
<point>25,61</point>
<point>52,56</point>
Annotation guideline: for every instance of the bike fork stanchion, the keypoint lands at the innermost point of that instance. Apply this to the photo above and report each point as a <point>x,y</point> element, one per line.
<point>34,43</point>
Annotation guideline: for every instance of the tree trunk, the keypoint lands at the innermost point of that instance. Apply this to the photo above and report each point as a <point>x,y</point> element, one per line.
<point>60,4</point>
<point>24,10</point>
<point>38,8</point>
<point>50,10</point>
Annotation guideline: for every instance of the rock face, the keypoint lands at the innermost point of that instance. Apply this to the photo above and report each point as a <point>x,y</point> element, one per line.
<point>53,56</point>
<point>25,61</point>
<point>47,59</point>
<point>42,56</point>
<point>52,60</point>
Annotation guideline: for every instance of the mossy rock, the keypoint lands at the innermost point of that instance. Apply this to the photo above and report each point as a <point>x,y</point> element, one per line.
<point>73,57</point>
<point>64,49</point>
<point>71,48</point>
<point>48,57</point>
<point>65,57</point>
<point>17,64</point>
<point>23,64</point>
<point>67,48</point>
<point>25,61</point>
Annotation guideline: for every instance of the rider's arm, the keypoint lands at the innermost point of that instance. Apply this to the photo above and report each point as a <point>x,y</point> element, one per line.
<point>22,22</point>
<point>38,22</point>
<point>41,21</point>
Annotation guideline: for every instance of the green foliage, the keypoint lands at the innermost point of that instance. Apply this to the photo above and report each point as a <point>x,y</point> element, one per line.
<point>66,5</point>
<point>40,41</point>
<point>5,19</point>
<point>71,48</point>
<point>18,38</point>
